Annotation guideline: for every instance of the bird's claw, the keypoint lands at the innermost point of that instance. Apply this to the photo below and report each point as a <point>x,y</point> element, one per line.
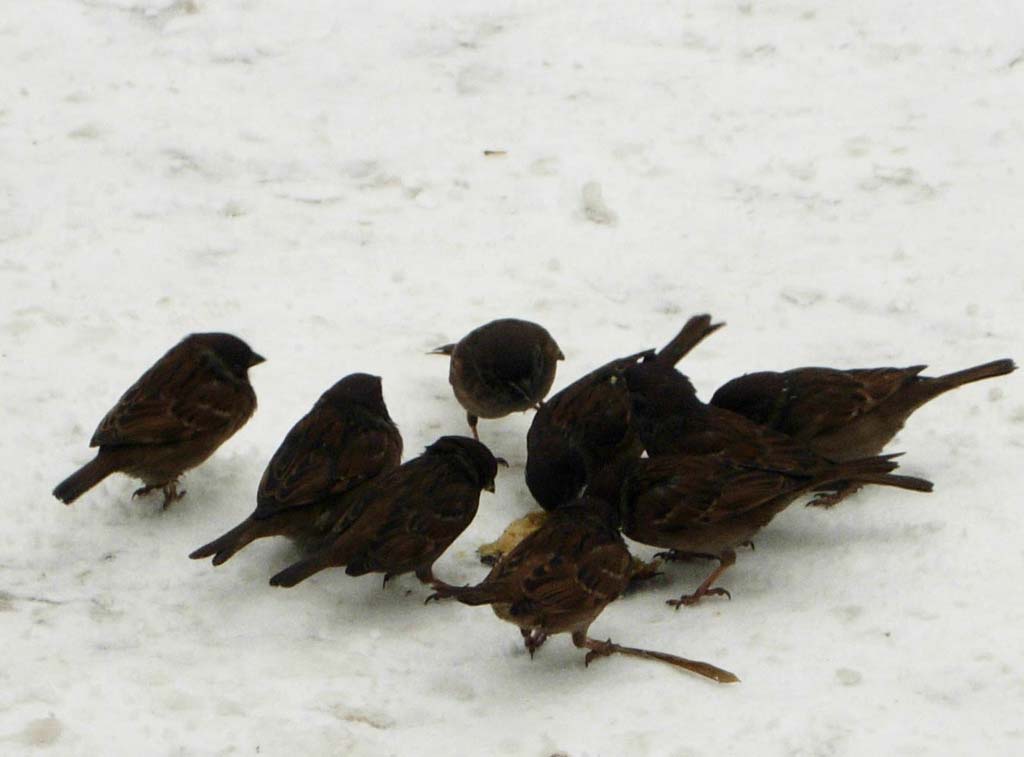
<point>692,599</point>
<point>825,500</point>
<point>171,493</point>
<point>605,650</point>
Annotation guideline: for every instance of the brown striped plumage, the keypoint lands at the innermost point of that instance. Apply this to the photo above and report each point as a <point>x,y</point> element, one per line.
<point>346,439</point>
<point>173,418</point>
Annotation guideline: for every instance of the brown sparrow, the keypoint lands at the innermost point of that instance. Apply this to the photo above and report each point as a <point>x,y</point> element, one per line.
<point>174,417</point>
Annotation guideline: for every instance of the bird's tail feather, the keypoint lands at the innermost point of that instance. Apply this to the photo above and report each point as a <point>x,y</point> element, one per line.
<point>877,470</point>
<point>224,547</point>
<point>302,570</point>
<point>693,333</point>
<point>481,594</point>
<point>977,373</point>
<point>85,478</point>
<point>913,483</point>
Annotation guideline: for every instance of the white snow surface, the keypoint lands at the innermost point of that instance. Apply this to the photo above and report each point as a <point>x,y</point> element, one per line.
<point>839,182</point>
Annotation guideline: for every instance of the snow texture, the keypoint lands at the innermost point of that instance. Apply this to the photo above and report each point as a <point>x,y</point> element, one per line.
<point>348,185</point>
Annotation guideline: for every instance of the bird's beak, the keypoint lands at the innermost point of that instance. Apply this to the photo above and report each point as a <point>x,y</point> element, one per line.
<point>256,359</point>
<point>490,487</point>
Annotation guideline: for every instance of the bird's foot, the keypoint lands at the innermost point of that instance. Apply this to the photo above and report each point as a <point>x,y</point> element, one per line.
<point>142,491</point>
<point>170,491</point>
<point>442,589</point>
<point>598,649</point>
<point>726,559</point>
<point>692,599</point>
<point>826,500</point>
<point>831,499</point>
<point>171,494</point>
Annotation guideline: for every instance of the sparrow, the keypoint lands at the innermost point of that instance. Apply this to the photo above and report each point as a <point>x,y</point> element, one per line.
<point>348,438</point>
<point>843,414</point>
<point>560,578</point>
<point>502,367</point>
<point>706,505</point>
<point>403,520</point>
<point>588,425</point>
<point>174,417</point>
<point>715,478</point>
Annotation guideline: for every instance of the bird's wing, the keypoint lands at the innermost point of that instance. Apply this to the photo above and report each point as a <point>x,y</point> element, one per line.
<point>570,568</point>
<point>404,517</point>
<point>326,453</point>
<point>186,394</point>
<point>809,402</point>
<point>673,492</point>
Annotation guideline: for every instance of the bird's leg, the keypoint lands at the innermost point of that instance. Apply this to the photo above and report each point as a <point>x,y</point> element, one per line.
<point>170,490</point>
<point>171,493</point>
<point>726,559</point>
<point>473,420</point>
<point>605,648</point>
<point>842,491</point>
<point>597,648</point>
<point>142,491</point>
<point>426,576</point>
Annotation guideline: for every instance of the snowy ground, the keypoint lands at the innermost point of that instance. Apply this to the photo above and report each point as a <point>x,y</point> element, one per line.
<point>839,182</point>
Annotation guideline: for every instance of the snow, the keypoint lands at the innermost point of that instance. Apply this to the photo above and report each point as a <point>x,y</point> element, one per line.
<point>840,183</point>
